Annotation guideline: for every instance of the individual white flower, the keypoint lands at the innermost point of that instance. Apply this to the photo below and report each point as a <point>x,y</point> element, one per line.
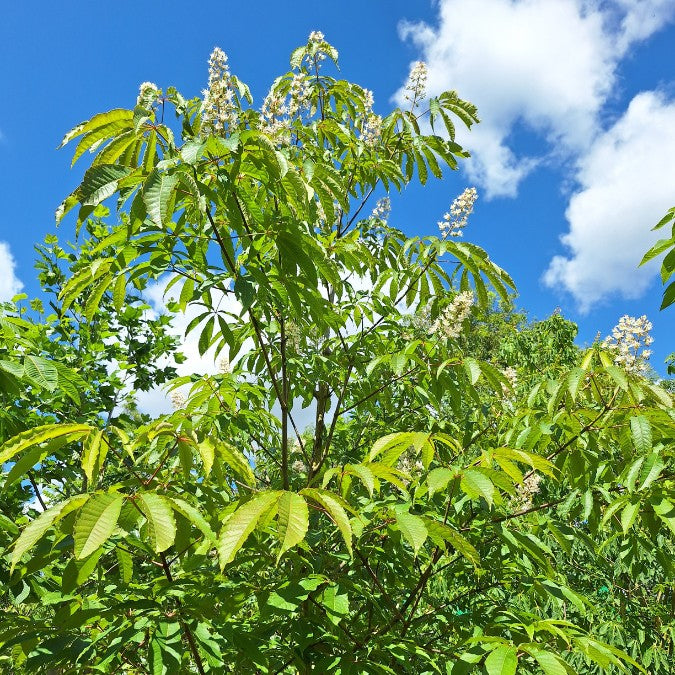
<point>147,92</point>
<point>219,111</point>
<point>455,220</point>
<point>449,323</point>
<point>628,341</point>
<point>416,86</point>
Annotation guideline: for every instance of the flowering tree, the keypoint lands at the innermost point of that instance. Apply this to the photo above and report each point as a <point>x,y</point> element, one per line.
<point>438,515</point>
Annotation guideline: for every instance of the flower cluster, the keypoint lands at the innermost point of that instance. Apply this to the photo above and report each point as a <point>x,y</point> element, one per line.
<point>449,323</point>
<point>316,37</point>
<point>299,466</point>
<point>416,86</point>
<point>274,120</point>
<point>455,220</point>
<point>382,209</point>
<point>293,335</point>
<point>371,129</point>
<point>224,366</point>
<point>299,93</point>
<point>511,376</point>
<point>219,108</point>
<point>147,93</point>
<point>628,342</point>
<point>177,399</point>
<point>527,489</point>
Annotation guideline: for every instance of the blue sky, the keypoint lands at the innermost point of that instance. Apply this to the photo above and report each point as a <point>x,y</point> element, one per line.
<point>573,160</point>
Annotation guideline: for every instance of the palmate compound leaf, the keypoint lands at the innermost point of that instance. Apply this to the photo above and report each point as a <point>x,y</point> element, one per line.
<point>242,522</point>
<point>331,503</point>
<point>96,522</point>
<point>159,516</point>
<point>292,521</point>
<point>33,532</point>
<point>36,435</point>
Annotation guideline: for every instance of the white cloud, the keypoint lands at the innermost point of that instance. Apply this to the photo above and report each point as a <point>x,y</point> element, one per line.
<point>549,65</point>
<point>625,186</point>
<point>9,282</point>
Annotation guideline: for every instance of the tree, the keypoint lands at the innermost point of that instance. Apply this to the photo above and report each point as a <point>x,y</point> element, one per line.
<point>437,516</point>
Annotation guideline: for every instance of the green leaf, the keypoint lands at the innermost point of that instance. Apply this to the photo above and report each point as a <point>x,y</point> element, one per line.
<point>207,451</point>
<point>665,510</point>
<point>412,528</point>
<point>642,434</point>
<point>240,525</point>
<point>96,522</point>
<point>550,663</point>
<point>90,453</point>
<point>502,661</point>
<point>126,564</point>
<point>119,292</point>
<point>158,193</point>
<point>237,461</point>
<point>475,484</point>
<point>157,510</point>
<point>628,515</point>
<point>31,437</point>
<point>34,531</point>
<point>651,469</point>
<point>293,521</point>
<point>101,182</point>
<point>41,371</point>
<point>194,516</point>
<point>330,502</point>
<point>440,532</point>
<point>438,478</point>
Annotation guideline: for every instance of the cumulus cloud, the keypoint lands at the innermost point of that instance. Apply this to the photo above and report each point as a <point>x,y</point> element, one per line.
<point>549,65</point>
<point>9,282</point>
<point>625,186</point>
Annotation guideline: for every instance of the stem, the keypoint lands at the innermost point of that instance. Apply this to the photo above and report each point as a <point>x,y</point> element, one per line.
<point>36,490</point>
<point>186,629</point>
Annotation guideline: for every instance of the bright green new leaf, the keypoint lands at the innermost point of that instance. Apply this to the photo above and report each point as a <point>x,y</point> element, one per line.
<point>240,525</point>
<point>194,516</point>
<point>162,524</point>
<point>96,522</point>
<point>330,502</point>
<point>412,528</point>
<point>502,661</point>
<point>292,521</point>
<point>40,434</point>
<point>158,195</point>
<point>33,532</point>
<point>476,484</point>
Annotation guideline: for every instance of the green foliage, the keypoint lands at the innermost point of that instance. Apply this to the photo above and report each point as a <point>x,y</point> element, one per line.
<point>473,494</point>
